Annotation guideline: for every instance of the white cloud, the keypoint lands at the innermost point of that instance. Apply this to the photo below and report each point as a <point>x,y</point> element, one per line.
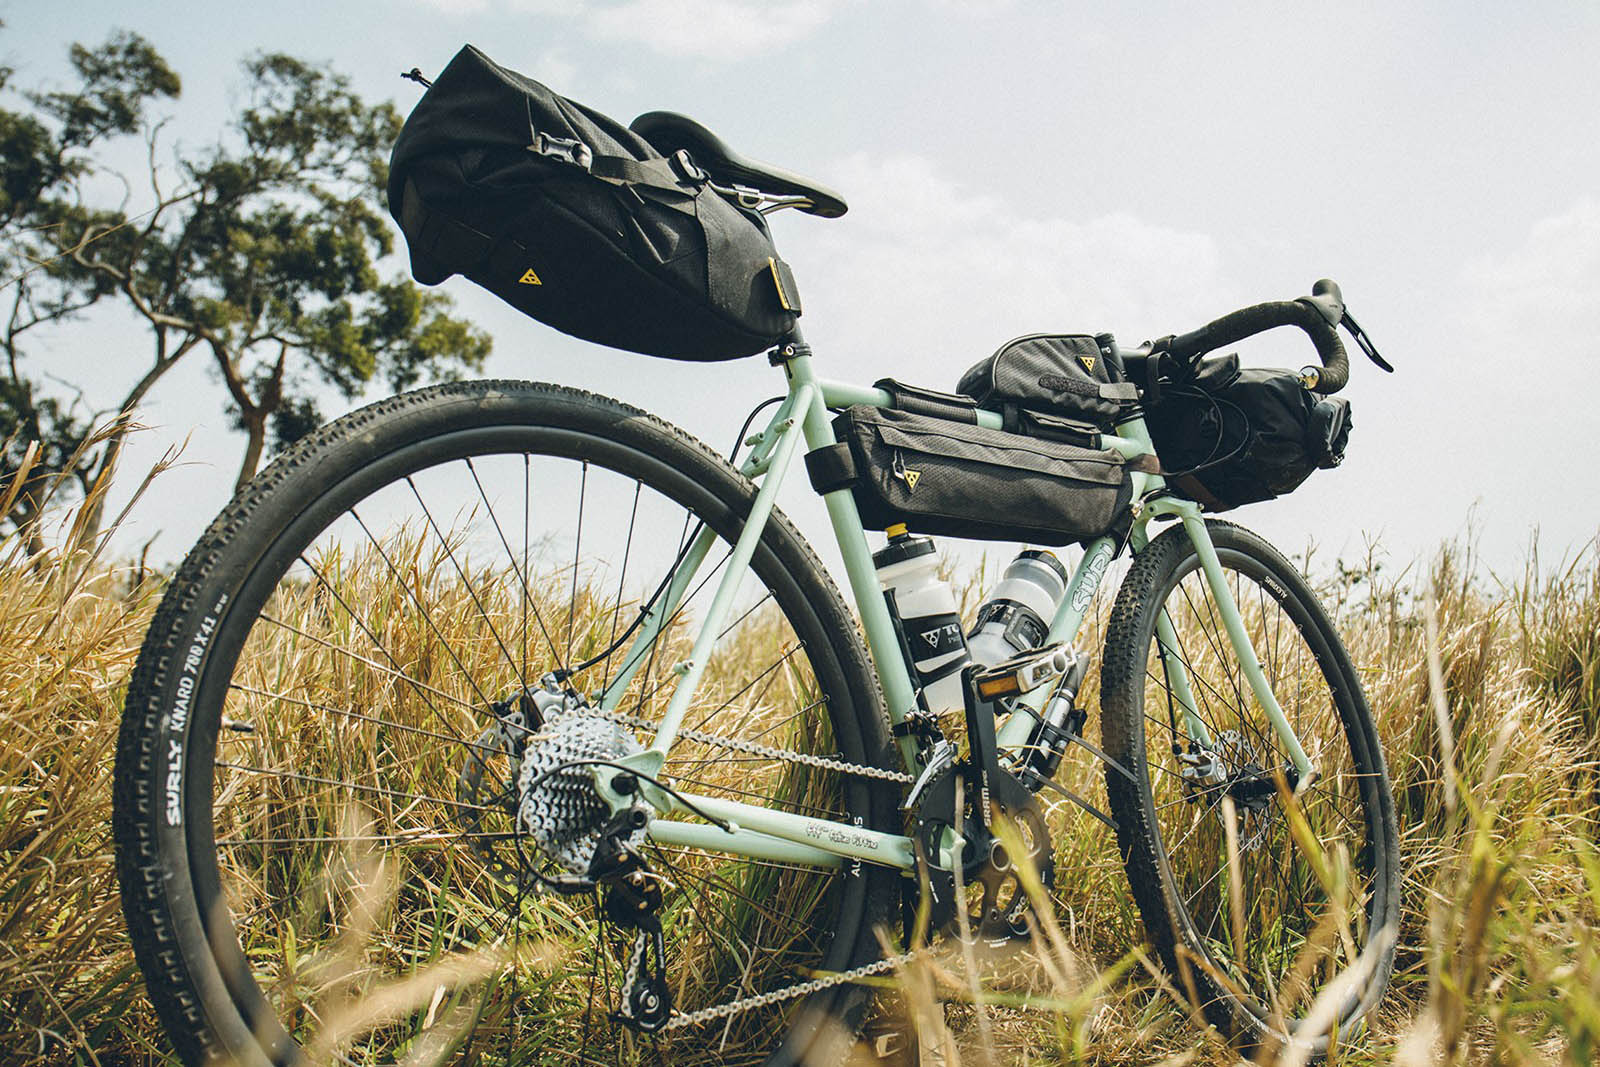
<point>933,275</point>
<point>711,29</point>
<point>974,8</point>
<point>556,69</point>
<point>700,29</point>
<point>1546,291</point>
<point>458,7</point>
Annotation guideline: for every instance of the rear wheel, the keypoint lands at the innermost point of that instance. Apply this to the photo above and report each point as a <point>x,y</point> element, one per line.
<point>1254,920</point>
<point>317,795</point>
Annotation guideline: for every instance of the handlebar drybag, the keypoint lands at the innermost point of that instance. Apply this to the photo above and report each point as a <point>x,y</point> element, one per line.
<point>578,222</point>
<point>1250,435</point>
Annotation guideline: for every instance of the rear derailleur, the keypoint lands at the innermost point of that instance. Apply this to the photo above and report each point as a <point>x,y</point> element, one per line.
<point>555,739</point>
<point>632,901</point>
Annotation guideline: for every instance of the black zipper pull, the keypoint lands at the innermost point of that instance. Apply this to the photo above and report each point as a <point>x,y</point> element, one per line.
<point>415,75</point>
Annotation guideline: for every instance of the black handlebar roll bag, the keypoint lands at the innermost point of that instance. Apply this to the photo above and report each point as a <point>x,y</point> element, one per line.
<point>1249,435</point>
<point>578,222</point>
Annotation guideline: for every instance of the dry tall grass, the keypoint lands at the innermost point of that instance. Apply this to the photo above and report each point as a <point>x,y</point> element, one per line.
<point>1499,953</point>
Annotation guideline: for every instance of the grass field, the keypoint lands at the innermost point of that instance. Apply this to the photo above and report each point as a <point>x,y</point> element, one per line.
<point>1487,695</point>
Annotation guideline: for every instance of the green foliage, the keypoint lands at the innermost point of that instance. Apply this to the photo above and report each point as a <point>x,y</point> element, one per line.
<point>261,250</point>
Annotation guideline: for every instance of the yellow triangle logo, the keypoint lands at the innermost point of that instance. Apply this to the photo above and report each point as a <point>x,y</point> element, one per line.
<point>529,278</point>
<point>911,478</point>
<point>1087,361</point>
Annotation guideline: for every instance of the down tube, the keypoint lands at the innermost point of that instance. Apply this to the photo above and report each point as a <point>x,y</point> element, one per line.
<point>1091,571</point>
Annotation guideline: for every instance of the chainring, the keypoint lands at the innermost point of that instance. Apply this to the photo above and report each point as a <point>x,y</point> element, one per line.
<point>1000,907</point>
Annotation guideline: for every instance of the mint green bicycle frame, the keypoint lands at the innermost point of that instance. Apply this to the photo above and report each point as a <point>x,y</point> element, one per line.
<point>764,833</point>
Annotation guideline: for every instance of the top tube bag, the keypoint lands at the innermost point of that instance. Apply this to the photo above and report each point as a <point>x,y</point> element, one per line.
<point>1058,374</point>
<point>578,222</point>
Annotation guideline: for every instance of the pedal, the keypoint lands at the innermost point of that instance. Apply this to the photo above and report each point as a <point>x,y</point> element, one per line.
<point>1023,673</point>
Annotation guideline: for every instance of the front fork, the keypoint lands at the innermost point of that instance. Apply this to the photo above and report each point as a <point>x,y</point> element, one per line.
<point>1233,622</point>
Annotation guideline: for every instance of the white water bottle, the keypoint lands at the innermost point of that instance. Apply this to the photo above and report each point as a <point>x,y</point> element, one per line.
<point>1017,615</point>
<point>908,570</point>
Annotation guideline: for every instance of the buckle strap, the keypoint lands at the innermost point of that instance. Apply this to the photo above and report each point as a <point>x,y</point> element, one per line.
<point>671,172</point>
<point>566,149</point>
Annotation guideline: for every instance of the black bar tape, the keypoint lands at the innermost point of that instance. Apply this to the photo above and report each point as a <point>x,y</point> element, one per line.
<point>1247,322</point>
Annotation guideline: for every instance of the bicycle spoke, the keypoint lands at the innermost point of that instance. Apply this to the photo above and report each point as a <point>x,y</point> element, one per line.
<point>314,779</point>
<point>466,583</point>
<point>622,578</point>
<point>522,575</point>
<point>577,554</point>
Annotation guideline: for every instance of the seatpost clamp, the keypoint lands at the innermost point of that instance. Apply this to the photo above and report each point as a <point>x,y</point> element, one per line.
<point>786,351</point>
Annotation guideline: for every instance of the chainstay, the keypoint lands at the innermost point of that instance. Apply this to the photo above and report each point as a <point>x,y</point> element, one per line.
<point>754,748</point>
<point>681,1020</point>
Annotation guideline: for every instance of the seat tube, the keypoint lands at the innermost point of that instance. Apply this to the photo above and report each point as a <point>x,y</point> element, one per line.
<point>878,627</point>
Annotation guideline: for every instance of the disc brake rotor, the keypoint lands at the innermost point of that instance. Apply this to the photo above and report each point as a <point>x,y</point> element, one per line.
<point>485,788</point>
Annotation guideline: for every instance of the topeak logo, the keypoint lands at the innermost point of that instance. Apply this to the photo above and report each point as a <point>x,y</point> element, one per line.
<point>903,472</point>
<point>529,278</point>
<point>1088,363</point>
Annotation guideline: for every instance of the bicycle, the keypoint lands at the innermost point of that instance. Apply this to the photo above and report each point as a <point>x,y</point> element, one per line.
<point>388,791</point>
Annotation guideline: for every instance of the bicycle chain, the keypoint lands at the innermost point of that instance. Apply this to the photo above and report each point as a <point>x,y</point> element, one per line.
<point>681,1020</point>
<point>754,748</point>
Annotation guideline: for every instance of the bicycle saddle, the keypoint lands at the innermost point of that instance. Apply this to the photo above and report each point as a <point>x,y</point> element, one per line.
<point>668,132</point>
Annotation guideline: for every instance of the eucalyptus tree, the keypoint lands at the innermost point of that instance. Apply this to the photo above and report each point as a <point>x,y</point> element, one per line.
<point>262,250</point>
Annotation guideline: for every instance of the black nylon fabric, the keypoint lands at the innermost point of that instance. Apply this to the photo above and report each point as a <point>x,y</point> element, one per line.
<point>636,251</point>
<point>955,479</point>
<point>1257,437</point>
<point>1060,374</point>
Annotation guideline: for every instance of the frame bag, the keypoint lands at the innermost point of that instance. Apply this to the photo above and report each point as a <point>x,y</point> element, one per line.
<point>1244,436</point>
<point>578,222</point>
<point>956,479</point>
<point>1058,374</point>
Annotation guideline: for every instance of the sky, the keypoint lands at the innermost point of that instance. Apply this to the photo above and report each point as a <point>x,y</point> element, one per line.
<point>1016,167</point>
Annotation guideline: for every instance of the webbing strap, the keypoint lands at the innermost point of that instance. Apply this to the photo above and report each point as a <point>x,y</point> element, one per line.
<point>655,173</point>
<point>668,173</point>
<point>831,467</point>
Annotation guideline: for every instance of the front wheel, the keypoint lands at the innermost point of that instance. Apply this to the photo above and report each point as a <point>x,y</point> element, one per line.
<point>1274,908</point>
<point>328,835</point>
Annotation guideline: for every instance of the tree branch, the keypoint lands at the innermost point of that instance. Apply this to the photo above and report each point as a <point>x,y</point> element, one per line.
<point>231,377</point>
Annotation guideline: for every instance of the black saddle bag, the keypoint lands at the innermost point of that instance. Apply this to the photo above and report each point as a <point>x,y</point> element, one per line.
<point>1059,374</point>
<point>956,479</point>
<point>578,222</point>
<point>1244,436</point>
